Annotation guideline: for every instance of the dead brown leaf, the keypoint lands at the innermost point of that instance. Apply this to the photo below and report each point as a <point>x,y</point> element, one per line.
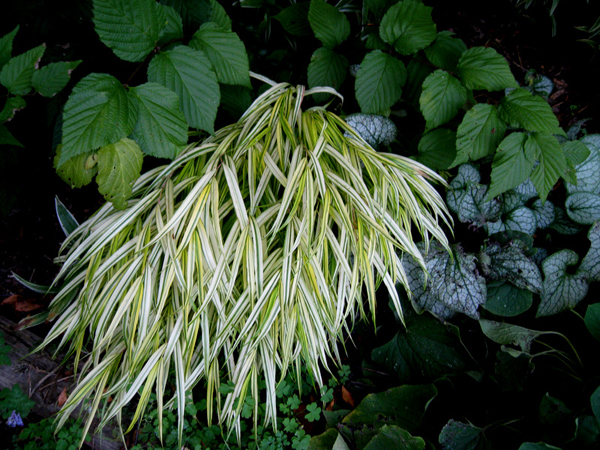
<point>347,396</point>
<point>62,398</point>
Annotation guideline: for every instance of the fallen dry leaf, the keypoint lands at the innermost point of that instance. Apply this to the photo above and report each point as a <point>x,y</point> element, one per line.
<point>347,396</point>
<point>12,299</point>
<point>62,398</point>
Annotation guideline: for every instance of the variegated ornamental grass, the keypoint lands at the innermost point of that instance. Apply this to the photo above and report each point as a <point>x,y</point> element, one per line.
<point>250,253</point>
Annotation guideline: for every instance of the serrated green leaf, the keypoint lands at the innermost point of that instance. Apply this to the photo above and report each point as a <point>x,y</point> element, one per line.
<point>379,82</point>
<point>76,171</point>
<point>225,51</point>
<point>529,111</point>
<point>575,151</point>
<point>587,172</point>
<point>510,166</point>
<point>508,334</point>
<point>393,437</point>
<point>97,113</point>
<point>445,51</point>
<point>374,129</point>
<point>235,99</point>
<point>329,24</point>
<point>6,45</point>
<point>592,320</point>
<point>51,79</point>
<point>12,105</point>
<point>408,27</point>
<point>453,283</point>
<point>437,149</point>
<point>442,97</point>
<point>583,207</point>
<point>17,72</point>
<point>561,289</point>
<point>193,12</point>
<point>14,399</point>
<point>130,28</point>
<point>510,263</point>
<point>161,128</point>
<point>479,133</point>
<point>327,68</point>
<point>544,213</point>
<point>328,440</point>
<point>219,16</point>
<point>294,19</point>
<point>119,165</point>
<point>6,138</point>
<point>189,74</point>
<point>460,436</point>
<point>425,350</point>
<point>417,71</point>
<point>506,300</point>
<point>590,265</point>
<point>173,29</point>
<point>552,162</point>
<point>485,68</point>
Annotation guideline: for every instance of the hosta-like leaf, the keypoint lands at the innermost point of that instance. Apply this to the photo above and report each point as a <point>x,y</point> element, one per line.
<point>510,263</point>
<point>437,149</point>
<point>583,207</point>
<point>590,265</point>
<point>544,213</point>
<point>592,319</point>
<point>161,128</point>
<point>11,107</point>
<point>131,28</point>
<point>506,300</point>
<point>588,171</point>
<point>485,68</point>
<point>479,133</point>
<point>225,51</point>
<point>442,97</point>
<point>119,165</point>
<point>511,166</point>
<point>460,436</point>
<point>329,24</point>
<point>51,79</point>
<point>408,27</point>
<point>375,130</point>
<point>392,436</point>
<point>561,289</point>
<point>508,334</point>
<point>453,284</point>
<point>189,74</point>
<point>6,45</point>
<point>97,113</point>
<point>379,82</point>
<point>294,19</point>
<point>529,111</point>
<point>445,51</point>
<point>77,171</point>
<point>552,162</point>
<point>16,74</point>
<point>327,68</point>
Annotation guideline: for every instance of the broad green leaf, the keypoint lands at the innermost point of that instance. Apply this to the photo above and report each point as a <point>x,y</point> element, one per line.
<point>506,300</point>
<point>508,334</point>
<point>392,437</point>
<point>510,166</point>
<point>68,223</point>
<point>587,430</point>
<point>329,24</point>
<point>408,27</point>
<point>583,207</point>
<point>379,82</point>
<point>97,113</point>
<point>485,68</point>
<point>416,71</point>
<point>553,411</point>
<point>6,45</point>
<point>130,28</point>
<point>235,99</point>
<point>510,263</point>
<point>590,265</point>
<point>327,68</point>
<point>161,128</point>
<point>17,72</point>
<point>592,319</point>
<point>12,105</point>
<point>189,74</point>
<point>467,198</point>
<point>374,129</point>
<point>425,350</point>
<point>595,401</point>
<point>460,436</point>
<point>51,79</point>
<point>529,111</point>
<point>219,15</point>
<point>6,138</point>
<point>437,149</point>
<point>445,51</point>
<point>552,162</point>
<point>561,289</point>
<point>173,29</point>
<point>537,446</point>
<point>193,12</point>
<point>294,19</point>
<point>226,53</point>
<point>576,152</point>
<point>479,133</point>
<point>119,165</point>
<point>77,171</point>
<point>588,171</point>
<point>442,97</point>
<point>544,213</point>
<point>328,440</point>
<point>453,283</point>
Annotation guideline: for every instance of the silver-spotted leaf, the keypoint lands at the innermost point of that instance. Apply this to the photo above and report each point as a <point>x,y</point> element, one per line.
<point>563,224</point>
<point>588,171</point>
<point>485,68</point>
<point>379,81</point>
<point>590,265</point>
<point>544,213</point>
<point>583,207</point>
<point>510,263</point>
<point>526,190</point>
<point>561,289</point>
<point>520,219</point>
<point>408,27</point>
<point>442,97</point>
<point>374,129</point>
